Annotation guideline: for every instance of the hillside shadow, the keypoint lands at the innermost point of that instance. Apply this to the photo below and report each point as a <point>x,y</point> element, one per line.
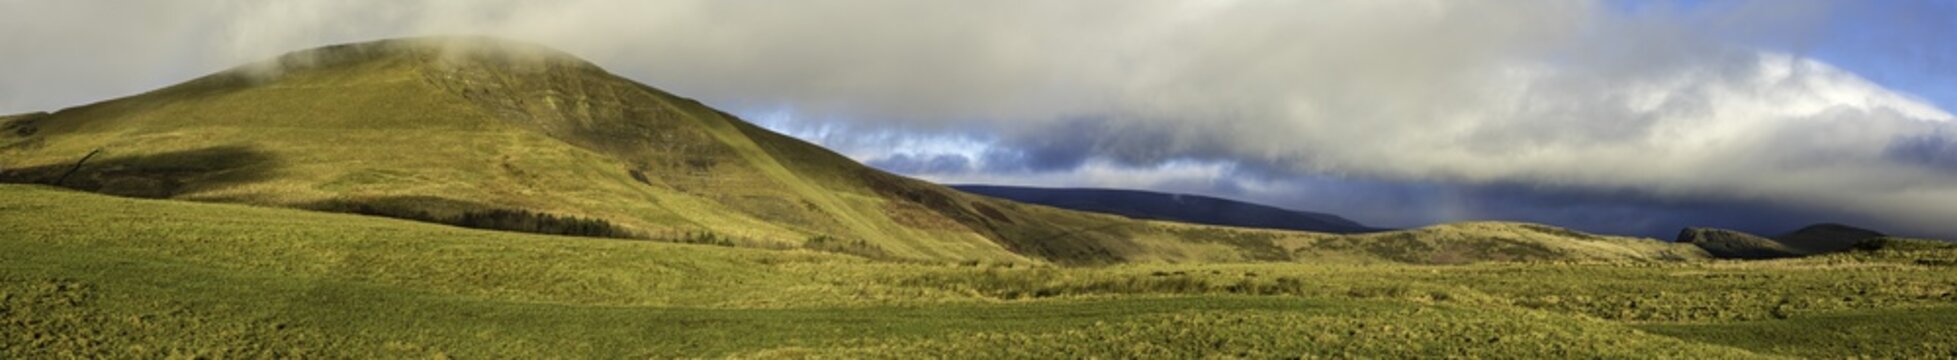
<point>471,214</point>
<point>160,175</point>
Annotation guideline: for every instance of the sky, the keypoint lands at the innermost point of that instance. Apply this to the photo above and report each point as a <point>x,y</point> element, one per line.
<point>1622,117</point>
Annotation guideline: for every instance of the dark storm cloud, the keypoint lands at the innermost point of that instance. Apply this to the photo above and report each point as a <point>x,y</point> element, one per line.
<point>1642,214</point>
<point>1416,203</point>
<point>1938,150</point>
<point>923,164</point>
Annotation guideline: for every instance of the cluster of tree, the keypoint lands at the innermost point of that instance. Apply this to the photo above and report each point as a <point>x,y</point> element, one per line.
<point>541,223</point>
<point>704,238</point>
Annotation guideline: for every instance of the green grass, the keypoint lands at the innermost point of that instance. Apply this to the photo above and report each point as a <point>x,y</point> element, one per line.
<point>87,275</point>
<point>123,308</point>
<point>148,308</point>
<point>1877,333</point>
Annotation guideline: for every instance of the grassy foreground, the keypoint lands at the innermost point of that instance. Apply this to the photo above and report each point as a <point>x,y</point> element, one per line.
<point>87,275</point>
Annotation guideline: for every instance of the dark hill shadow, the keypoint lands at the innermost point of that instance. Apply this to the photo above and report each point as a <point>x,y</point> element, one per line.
<point>161,175</point>
<point>472,214</point>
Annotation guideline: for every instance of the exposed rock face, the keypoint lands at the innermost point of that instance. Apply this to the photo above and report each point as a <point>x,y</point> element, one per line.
<point>1730,244</point>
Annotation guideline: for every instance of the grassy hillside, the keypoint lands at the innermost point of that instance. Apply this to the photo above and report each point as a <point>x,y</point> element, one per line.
<point>94,276</point>
<point>438,128</point>
<point>502,135</point>
<point>1731,244</point>
<point>1499,241</point>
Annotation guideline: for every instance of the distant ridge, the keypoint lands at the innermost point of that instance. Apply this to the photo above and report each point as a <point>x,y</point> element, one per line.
<point>1731,244</point>
<point>1174,207</point>
<point>1820,238</point>
<point>1809,240</point>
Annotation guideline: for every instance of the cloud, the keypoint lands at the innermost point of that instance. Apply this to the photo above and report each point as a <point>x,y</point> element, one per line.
<point>1727,102</point>
<point>923,164</point>
<point>1936,150</point>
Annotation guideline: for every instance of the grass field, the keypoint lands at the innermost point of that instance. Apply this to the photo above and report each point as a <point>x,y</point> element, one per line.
<point>87,275</point>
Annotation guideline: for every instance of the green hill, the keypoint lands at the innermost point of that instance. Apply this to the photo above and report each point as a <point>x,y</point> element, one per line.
<point>438,128</point>
<point>493,134</point>
<point>1735,245</point>
<point>1810,240</point>
<point>1498,241</point>
<point>1822,238</point>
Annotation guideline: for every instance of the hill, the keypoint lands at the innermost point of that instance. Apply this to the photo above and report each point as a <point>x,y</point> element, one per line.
<point>507,135</point>
<point>1809,240</point>
<point>1735,245</point>
<point>1822,238</point>
<point>501,135</point>
<point>1470,242</point>
<point>1194,209</point>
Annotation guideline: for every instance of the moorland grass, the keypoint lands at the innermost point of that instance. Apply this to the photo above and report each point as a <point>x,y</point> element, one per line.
<point>87,275</point>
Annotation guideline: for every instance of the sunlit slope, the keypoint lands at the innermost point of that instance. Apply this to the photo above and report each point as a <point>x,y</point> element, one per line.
<point>1457,243</point>
<point>439,128</point>
<point>443,126</point>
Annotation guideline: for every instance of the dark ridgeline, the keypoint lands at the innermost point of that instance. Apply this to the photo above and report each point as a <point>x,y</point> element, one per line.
<point>1810,240</point>
<point>1174,207</point>
<point>1820,238</point>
